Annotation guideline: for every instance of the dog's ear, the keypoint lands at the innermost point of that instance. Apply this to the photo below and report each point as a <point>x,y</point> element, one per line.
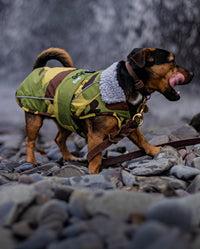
<point>142,57</point>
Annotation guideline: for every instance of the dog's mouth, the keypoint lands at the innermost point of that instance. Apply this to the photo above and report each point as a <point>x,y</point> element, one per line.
<point>175,79</point>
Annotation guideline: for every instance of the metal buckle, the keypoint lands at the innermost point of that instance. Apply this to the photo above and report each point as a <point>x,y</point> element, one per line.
<point>138,117</point>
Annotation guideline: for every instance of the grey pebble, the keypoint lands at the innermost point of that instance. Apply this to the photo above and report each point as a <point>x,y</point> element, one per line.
<point>53,153</point>
<point>15,199</point>
<point>100,181</point>
<point>7,238</point>
<point>193,202</point>
<point>115,234</point>
<point>195,122</point>
<point>154,235</point>
<point>159,139</point>
<point>52,216</point>
<point>8,166</point>
<point>128,179</point>
<point>172,154</point>
<point>84,241</point>
<point>196,163</point>
<point>171,213</point>
<point>189,158</point>
<point>182,132</point>
<point>184,172</point>
<point>194,186</point>
<point>150,167</point>
<point>159,183</point>
<point>146,234</point>
<point>196,148</point>
<point>39,240</point>
<point>119,204</point>
<point>72,169</point>
<point>24,167</point>
<point>26,179</point>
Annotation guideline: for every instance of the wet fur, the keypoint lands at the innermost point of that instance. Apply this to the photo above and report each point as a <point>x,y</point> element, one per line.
<point>153,67</point>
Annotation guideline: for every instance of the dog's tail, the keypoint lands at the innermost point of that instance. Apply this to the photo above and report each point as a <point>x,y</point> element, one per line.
<point>53,54</point>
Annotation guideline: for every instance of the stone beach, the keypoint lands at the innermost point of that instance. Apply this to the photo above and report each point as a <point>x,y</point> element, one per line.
<point>145,203</point>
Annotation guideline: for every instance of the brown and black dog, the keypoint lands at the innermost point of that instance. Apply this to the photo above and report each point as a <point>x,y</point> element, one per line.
<point>158,71</point>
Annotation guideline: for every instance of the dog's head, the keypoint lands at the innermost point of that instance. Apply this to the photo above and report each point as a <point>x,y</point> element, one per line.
<point>158,70</point>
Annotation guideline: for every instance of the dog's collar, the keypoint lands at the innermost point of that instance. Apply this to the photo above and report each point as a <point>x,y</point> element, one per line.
<point>138,83</point>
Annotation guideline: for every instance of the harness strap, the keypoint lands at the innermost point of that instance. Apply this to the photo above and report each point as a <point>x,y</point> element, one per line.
<point>139,153</point>
<point>113,137</point>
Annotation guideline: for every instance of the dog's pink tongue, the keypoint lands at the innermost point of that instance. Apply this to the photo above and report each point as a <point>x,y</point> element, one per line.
<point>176,78</point>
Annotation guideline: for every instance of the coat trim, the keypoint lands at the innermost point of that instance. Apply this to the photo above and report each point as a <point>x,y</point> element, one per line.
<point>110,90</point>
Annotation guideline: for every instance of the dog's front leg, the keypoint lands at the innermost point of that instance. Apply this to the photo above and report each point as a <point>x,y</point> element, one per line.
<point>98,129</point>
<point>137,138</point>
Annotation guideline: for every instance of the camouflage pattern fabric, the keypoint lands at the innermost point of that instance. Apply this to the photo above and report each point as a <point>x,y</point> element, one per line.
<point>67,94</point>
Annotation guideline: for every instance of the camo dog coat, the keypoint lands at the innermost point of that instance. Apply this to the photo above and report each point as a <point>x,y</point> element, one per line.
<point>70,94</point>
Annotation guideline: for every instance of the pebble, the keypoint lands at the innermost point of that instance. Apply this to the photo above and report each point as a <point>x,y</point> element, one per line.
<point>159,184</point>
<point>70,170</point>
<point>196,148</point>
<point>150,167</point>
<point>53,153</point>
<point>7,238</point>
<point>26,179</point>
<point>194,187</point>
<point>148,233</point>
<point>93,182</point>
<point>196,163</point>
<point>155,140</point>
<point>52,216</point>
<point>184,172</point>
<point>84,241</point>
<point>114,233</point>
<point>24,167</point>
<point>189,158</point>
<point>171,154</point>
<point>171,240</point>
<point>128,179</point>
<point>183,132</point>
<point>195,122</point>
<point>119,204</point>
<point>39,240</point>
<point>180,214</point>
<point>146,203</point>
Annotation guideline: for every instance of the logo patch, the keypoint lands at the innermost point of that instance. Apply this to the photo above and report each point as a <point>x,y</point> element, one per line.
<point>74,81</point>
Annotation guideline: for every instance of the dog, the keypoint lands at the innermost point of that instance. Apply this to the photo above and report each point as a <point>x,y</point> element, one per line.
<point>94,104</point>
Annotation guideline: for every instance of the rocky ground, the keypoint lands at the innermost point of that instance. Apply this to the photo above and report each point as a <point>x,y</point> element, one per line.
<point>144,203</point>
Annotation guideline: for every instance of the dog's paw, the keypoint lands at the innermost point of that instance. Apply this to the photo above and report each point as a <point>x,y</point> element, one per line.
<point>158,149</point>
<point>153,150</point>
<point>72,158</point>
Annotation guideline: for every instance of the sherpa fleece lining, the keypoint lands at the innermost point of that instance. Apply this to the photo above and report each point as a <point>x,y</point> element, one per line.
<point>110,90</point>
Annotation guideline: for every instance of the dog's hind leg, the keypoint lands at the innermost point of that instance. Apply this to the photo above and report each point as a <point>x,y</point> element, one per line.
<point>33,125</point>
<point>60,140</point>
